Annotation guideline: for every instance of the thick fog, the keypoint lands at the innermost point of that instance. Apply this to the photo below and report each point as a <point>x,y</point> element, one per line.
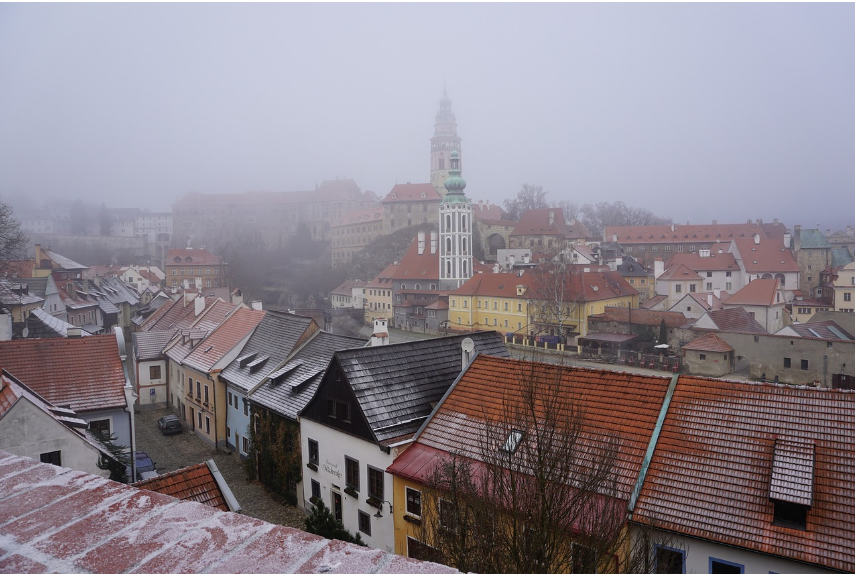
<point>693,111</point>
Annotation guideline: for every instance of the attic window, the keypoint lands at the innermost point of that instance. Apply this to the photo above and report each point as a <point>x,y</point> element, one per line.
<point>513,441</point>
<point>243,361</point>
<point>791,487</point>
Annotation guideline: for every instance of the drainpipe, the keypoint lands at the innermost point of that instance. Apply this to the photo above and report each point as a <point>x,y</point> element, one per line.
<point>216,428</point>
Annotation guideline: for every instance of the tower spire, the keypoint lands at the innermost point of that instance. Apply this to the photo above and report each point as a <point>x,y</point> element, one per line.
<point>444,141</point>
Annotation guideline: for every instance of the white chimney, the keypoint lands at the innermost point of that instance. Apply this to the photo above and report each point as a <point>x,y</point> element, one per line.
<point>421,241</point>
<point>256,305</point>
<point>5,325</point>
<point>199,305</point>
<point>433,242</point>
<point>658,268</point>
<point>73,332</point>
<point>672,227</point>
<point>527,257</point>
<point>717,293</point>
<point>551,217</point>
<point>381,332</point>
<point>618,261</point>
<point>511,260</point>
<point>468,348</point>
<point>787,240</point>
<point>756,238</point>
<point>614,237</point>
<point>709,300</point>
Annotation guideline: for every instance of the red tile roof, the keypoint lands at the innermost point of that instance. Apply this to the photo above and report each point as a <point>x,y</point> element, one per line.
<point>758,292</point>
<point>640,316</point>
<point>327,191</point>
<point>536,223</point>
<point>769,256</point>
<point>83,374</point>
<point>416,266</point>
<point>735,320</point>
<point>195,483</point>
<point>715,262</point>
<point>495,285</point>
<point>360,217</point>
<point>197,257</point>
<point>383,279</point>
<point>411,193</point>
<point>221,341</point>
<point>488,213</point>
<point>56,520</point>
<point>709,342</point>
<point>711,472</point>
<point>457,424</point>
<point>679,272</point>
<point>704,233</point>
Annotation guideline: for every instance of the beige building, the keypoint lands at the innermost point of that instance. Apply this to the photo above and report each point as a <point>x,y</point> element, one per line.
<point>844,289</point>
<point>378,296</point>
<point>352,233</point>
<point>213,220</point>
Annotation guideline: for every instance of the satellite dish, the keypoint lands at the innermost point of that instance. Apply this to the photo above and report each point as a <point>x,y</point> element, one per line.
<point>468,345</point>
<point>25,332</point>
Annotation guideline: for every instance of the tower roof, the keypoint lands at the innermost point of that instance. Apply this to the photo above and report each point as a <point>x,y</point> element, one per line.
<point>455,182</point>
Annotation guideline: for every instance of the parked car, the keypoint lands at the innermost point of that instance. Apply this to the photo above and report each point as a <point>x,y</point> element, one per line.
<point>145,467</point>
<point>170,425</point>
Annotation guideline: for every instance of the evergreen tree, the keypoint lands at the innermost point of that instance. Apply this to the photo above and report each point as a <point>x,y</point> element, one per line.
<point>322,522</point>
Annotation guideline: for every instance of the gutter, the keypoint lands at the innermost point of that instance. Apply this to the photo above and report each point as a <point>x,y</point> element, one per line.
<point>224,487</point>
<point>651,446</point>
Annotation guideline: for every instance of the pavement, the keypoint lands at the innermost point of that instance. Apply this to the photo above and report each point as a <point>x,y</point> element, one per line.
<point>172,452</point>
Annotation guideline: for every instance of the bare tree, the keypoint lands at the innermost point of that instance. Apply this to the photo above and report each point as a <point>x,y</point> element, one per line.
<point>597,217</point>
<point>556,295</point>
<point>13,241</point>
<point>530,197</point>
<point>542,493</point>
<point>568,208</point>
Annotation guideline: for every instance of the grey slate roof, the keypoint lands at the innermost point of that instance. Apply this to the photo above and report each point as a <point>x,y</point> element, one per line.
<point>118,291</point>
<point>42,325</point>
<point>64,262</point>
<point>839,258</point>
<point>150,344</point>
<point>13,293</point>
<point>398,385</point>
<point>300,374</point>
<point>38,286</point>
<point>813,240</point>
<point>631,268</point>
<point>275,336</point>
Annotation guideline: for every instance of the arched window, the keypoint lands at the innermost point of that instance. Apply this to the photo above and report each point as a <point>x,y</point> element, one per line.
<point>448,223</point>
<point>441,163</point>
<point>463,223</point>
<point>447,269</point>
<point>464,246</point>
<point>447,246</point>
<point>465,269</point>
<point>418,286</point>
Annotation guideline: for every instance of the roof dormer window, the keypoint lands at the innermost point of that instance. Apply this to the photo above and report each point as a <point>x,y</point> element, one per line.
<point>791,487</point>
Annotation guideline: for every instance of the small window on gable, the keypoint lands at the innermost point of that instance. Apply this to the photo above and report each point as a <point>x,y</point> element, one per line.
<point>513,441</point>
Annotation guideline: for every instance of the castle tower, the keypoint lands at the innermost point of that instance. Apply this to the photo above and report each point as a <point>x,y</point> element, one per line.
<point>455,230</point>
<point>444,141</point>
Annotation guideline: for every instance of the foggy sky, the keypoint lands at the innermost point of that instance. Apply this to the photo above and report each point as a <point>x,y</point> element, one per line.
<point>722,111</point>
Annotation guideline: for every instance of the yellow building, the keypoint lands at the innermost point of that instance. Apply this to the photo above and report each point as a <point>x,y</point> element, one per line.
<point>844,289</point>
<point>538,302</point>
<point>378,296</point>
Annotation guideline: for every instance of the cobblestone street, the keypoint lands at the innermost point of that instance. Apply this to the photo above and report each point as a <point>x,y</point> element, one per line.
<point>177,451</point>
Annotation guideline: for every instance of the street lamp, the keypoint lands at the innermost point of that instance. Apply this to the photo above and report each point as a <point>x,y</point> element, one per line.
<point>379,515</point>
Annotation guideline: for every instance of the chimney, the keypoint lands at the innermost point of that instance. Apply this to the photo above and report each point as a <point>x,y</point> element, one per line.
<point>433,242</point>
<point>658,267</point>
<point>551,217</point>
<point>73,332</point>
<point>527,257</point>
<point>381,332</point>
<point>199,304</point>
<point>468,348</point>
<point>850,232</point>
<point>511,260</point>
<point>787,240</point>
<point>709,300</point>
<point>69,288</point>
<point>5,324</point>
<point>614,237</point>
<point>421,240</point>
<point>673,227</point>
<point>756,238</point>
<point>257,305</point>
<point>717,293</point>
<point>715,222</point>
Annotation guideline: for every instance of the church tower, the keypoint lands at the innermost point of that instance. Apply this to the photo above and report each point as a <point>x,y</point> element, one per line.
<point>455,230</point>
<point>444,141</point>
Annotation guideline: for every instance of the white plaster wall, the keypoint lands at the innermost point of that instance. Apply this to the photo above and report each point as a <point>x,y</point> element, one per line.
<point>698,553</point>
<point>333,445</point>
<point>120,423</point>
<point>146,384</point>
<point>28,431</point>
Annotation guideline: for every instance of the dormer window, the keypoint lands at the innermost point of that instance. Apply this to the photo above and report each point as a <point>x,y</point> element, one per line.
<point>791,487</point>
